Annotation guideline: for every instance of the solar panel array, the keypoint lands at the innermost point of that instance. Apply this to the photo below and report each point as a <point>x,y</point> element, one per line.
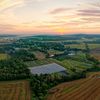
<point>47,69</point>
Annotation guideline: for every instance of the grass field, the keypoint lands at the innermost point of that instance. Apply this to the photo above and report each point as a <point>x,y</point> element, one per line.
<point>15,90</point>
<point>3,56</point>
<point>94,46</point>
<point>79,46</point>
<point>70,64</point>
<point>52,52</point>
<point>83,89</point>
<point>82,46</point>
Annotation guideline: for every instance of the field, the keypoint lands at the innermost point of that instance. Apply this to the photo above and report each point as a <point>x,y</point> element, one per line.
<point>78,63</point>
<point>82,46</point>
<point>83,89</point>
<point>15,90</point>
<point>96,53</point>
<point>3,56</point>
<point>52,52</point>
<point>39,55</point>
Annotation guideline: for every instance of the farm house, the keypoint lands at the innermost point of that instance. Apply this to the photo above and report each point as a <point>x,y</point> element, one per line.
<point>48,69</point>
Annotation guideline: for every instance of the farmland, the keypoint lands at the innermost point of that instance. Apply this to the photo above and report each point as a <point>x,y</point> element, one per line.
<point>15,90</point>
<point>39,55</point>
<point>76,53</point>
<point>83,89</point>
<point>82,46</point>
<point>96,53</point>
<point>3,56</point>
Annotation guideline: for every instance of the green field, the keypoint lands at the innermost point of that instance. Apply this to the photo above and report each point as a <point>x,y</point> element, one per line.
<point>73,64</point>
<point>52,52</point>
<point>3,56</point>
<point>82,46</point>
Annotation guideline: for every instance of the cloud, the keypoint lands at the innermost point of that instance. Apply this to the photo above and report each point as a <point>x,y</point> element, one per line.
<point>9,4</point>
<point>95,4</point>
<point>6,27</point>
<point>59,10</point>
<point>89,12</point>
<point>89,19</point>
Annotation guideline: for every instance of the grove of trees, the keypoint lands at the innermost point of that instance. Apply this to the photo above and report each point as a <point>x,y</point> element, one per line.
<point>13,69</point>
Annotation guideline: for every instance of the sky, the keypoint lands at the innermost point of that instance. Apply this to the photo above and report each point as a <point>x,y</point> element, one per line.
<point>49,16</point>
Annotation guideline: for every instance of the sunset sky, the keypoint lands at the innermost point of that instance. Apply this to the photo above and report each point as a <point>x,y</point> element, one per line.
<point>49,16</point>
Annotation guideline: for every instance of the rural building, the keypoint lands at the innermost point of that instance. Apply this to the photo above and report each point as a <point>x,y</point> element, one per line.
<point>48,69</point>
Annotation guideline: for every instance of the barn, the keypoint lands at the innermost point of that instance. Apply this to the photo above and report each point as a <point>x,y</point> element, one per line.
<point>48,69</point>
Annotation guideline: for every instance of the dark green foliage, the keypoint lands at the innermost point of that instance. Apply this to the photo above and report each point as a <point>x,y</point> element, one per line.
<point>13,69</point>
<point>87,48</point>
<point>41,84</point>
<point>24,55</point>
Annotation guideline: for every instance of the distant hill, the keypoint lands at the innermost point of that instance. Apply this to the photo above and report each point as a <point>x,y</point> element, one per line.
<point>6,35</point>
<point>62,37</point>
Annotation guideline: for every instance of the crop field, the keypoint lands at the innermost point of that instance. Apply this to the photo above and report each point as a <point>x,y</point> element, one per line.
<point>82,46</point>
<point>96,53</point>
<point>94,46</point>
<point>79,46</point>
<point>52,52</point>
<point>3,56</point>
<point>83,89</point>
<point>39,55</point>
<point>15,90</point>
<point>70,64</point>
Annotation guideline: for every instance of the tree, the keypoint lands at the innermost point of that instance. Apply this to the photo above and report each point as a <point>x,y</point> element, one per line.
<point>13,69</point>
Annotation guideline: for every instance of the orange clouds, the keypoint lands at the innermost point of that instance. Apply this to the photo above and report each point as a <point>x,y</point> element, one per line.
<point>58,16</point>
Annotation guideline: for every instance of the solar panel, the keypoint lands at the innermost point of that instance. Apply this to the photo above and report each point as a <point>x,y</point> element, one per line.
<point>47,69</point>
